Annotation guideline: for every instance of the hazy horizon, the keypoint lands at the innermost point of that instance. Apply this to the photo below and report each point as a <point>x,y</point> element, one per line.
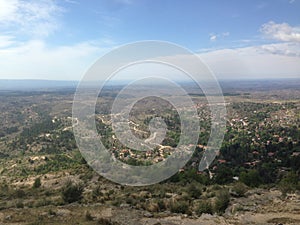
<point>227,85</point>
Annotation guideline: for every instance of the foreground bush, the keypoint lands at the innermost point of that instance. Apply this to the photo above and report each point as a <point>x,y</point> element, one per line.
<point>72,192</point>
<point>37,183</point>
<point>180,207</point>
<point>204,207</point>
<point>194,191</point>
<point>104,221</point>
<point>239,189</point>
<point>251,178</point>
<point>289,184</point>
<point>222,201</point>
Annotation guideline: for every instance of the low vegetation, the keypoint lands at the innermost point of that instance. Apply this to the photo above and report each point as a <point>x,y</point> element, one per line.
<point>44,177</point>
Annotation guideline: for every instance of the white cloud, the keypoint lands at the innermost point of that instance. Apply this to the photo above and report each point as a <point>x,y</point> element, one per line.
<point>214,37</point>
<point>35,60</point>
<point>6,41</point>
<point>7,10</point>
<point>25,54</point>
<point>255,62</point>
<point>281,32</point>
<point>34,17</point>
<point>71,2</point>
<point>288,49</point>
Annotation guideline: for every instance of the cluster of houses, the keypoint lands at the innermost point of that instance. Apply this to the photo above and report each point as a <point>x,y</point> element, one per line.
<point>157,155</point>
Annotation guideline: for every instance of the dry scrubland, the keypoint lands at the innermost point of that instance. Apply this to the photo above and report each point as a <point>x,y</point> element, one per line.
<point>44,179</point>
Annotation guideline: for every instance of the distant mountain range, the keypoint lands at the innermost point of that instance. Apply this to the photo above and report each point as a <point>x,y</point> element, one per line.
<point>232,85</point>
<point>35,84</point>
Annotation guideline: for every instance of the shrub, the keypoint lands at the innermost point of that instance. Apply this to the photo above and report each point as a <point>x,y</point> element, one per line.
<point>88,216</point>
<point>97,192</point>
<point>222,201</point>
<point>19,204</point>
<point>37,183</point>
<point>152,207</point>
<point>19,193</point>
<point>51,212</point>
<point>289,183</point>
<point>4,190</point>
<point>72,192</point>
<point>161,204</point>
<point>104,221</point>
<point>223,175</point>
<point>194,191</point>
<point>131,201</point>
<point>42,202</point>
<point>239,189</point>
<point>204,207</point>
<point>251,178</point>
<point>180,207</point>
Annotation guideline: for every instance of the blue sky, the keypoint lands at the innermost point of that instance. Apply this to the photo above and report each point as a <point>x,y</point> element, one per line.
<point>60,39</point>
